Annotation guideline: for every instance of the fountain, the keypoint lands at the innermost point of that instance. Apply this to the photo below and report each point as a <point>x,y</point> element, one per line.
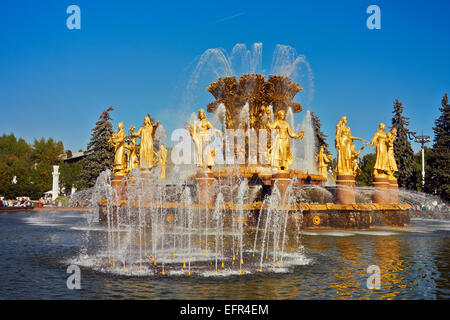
<point>245,213</point>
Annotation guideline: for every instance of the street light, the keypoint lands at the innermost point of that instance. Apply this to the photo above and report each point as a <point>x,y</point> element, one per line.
<point>422,140</point>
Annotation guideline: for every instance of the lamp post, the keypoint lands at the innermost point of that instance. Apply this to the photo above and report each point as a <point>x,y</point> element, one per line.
<point>422,140</point>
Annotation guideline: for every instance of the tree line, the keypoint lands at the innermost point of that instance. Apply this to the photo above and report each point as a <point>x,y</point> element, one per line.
<point>26,169</point>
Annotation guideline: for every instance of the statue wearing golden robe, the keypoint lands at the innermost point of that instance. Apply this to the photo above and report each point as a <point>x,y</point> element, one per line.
<point>343,143</point>
<point>162,160</point>
<point>147,134</point>
<point>117,140</point>
<point>323,161</point>
<point>133,160</point>
<point>201,133</point>
<point>280,153</point>
<point>381,167</point>
<point>391,136</point>
<point>355,166</point>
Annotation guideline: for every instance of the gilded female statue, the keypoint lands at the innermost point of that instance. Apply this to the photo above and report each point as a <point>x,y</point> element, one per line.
<point>133,160</point>
<point>117,140</point>
<point>323,161</point>
<point>201,133</point>
<point>162,160</point>
<point>391,136</point>
<point>381,167</point>
<point>343,143</point>
<point>280,153</point>
<point>146,133</point>
<point>355,166</point>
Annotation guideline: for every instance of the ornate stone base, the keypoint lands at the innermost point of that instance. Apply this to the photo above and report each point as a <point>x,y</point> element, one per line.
<point>119,187</point>
<point>393,192</point>
<point>381,193</point>
<point>281,180</point>
<point>345,189</point>
<point>205,181</point>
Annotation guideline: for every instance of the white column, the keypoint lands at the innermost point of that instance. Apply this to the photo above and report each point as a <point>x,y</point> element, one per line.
<point>55,188</point>
<point>423,167</point>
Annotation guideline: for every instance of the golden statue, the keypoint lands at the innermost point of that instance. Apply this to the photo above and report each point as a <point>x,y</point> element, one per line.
<point>355,166</point>
<point>147,134</point>
<point>381,167</point>
<point>323,161</point>
<point>117,140</point>
<point>201,133</point>
<point>280,152</point>
<point>343,143</point>
<point>162,160</point>
<point>391,136</point>
<point>133,160</point>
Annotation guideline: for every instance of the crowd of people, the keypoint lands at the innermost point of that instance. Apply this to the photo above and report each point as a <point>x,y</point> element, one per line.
<point>23,202</point>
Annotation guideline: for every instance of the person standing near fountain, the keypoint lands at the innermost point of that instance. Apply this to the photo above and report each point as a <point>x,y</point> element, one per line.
<point>280,153</point>
<point>146,133</point>
<point>117,140</point>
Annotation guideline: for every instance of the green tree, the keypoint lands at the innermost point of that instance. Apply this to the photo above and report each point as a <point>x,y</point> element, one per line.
<point>70,175</point>
<point>99,153</point>
<point>46,154</point>
<point>366,164</point>
<point>320,137</point>
<point>437,180</point>
<point>403,151</point>
<point>417,174</point>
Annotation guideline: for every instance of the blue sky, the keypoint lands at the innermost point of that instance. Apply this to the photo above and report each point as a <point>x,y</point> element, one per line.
<point>133,55</point>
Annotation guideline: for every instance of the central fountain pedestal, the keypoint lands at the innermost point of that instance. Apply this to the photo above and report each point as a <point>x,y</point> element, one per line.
<point>345,189</point>
<point>205,181</point>
<point>393,192</point>
<point>119,186</point>
<point>382,188</point>
<point>282,181</point>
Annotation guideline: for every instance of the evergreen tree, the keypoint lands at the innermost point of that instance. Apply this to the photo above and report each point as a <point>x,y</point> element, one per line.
<point>320,137</point>
<point>99,153</point>
<point>437,179</point>
<point>403,151</point>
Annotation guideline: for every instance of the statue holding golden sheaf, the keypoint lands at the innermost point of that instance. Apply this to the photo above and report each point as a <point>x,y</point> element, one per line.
<point>133,159</point>
<point>391,136</point>
<point>323,160</point>
<point>385,164</point>
<point>117,140</point>
<point>162,160</point>
<point>201,133</point>
<point>355,166</point>
<point>280,152</point>
<point>147,134</point>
